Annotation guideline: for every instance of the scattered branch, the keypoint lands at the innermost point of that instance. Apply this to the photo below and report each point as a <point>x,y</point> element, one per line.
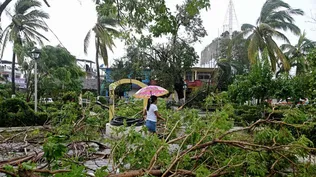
<point>19,160</point>
<point>135,173</point>
<point>7,172</point>
<point>50,172</point>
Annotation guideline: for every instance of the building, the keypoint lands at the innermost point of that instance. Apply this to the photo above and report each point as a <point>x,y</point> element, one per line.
<point>194,78</point>
<point>6,70</point>
<point>210,54</point>
<point>90,80</point>
<point>199,76</point>
<point>145,78</point>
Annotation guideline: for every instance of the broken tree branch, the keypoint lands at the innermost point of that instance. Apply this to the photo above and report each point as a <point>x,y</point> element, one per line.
<point>7,172</point>
<point>135,173</point>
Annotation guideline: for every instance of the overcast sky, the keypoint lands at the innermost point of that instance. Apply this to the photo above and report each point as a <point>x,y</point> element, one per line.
<point>71,20</point>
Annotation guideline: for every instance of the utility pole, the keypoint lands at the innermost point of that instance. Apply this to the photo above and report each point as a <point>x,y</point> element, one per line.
<point>35,90</point>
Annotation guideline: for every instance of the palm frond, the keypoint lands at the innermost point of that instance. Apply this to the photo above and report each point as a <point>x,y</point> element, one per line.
<point>272,44</point>
<point>246,27</point>
<point>104,36</point>
<point>22,6</point>
<point>35,14</point>
<point>285,26</point>
<point>287,47</point>
<point>28,39</point>
<point>253,48</point>
<point>296,12</point>
<point>86,42</point>
<point>4,38</point>
<point>265,29</point>
<point>104,53</point>
<point>239,36</point>
<point>269,7</point>
<point>304,44</point>
<point>36,25</point>
<point>282,16</point>
<point>104,31</point>
<point>281,36</point>
<point>301,39</point>
<point>36,33</point>
<point>107,21</point>
<point>111,31</point>
<point>29,34</point>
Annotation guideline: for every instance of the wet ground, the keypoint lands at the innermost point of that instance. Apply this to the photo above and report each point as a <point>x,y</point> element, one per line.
<point>98,159</point>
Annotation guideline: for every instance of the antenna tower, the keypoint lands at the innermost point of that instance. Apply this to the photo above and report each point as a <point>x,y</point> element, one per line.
<point>231,22</point>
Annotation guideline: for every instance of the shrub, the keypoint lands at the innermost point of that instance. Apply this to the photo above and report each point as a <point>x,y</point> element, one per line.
<point>31,105</point>
<point>15,112</point>
<point>41,118</point>
<point>103,100</point>
<point>245,114</point>
<point>70,97</point>
<point>4,94</point>
<point>196,99</point>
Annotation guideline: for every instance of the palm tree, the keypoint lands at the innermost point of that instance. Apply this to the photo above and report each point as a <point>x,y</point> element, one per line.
<point>4,5</point>
<point>23,30</point>
<point>275,15</point>
<point>103,29</point>
<point>297,53</point>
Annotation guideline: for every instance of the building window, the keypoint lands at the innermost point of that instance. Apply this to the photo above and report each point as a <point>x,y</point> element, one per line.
<point>188,76</point>
<point>204,75</point>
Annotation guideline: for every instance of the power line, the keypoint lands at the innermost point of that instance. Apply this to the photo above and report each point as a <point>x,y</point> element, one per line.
<point>60,43</point>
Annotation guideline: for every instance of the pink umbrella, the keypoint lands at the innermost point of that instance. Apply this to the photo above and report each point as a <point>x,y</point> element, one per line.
<point>146,92</point>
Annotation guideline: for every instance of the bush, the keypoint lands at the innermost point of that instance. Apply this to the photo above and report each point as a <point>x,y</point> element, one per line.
<point>68,113</point>
<point>4,94</point>
<point>196,99</point>
<point>70,97</point>
<point>51,110</point>
<point>245,114</point>
<point>103,100</point>
<point>31,105</point>
<point>15,112</point>
<point>41,118</point>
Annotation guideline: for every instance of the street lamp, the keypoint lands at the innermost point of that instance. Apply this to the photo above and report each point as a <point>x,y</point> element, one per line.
<point>36,54</point>
<point>185,87</point>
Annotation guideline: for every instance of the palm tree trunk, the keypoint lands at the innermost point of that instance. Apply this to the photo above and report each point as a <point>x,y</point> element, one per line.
<point>97,63</point>
<point>13,73</point>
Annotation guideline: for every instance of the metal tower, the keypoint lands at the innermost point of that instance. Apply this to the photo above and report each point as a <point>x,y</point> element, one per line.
<point>231,22</point>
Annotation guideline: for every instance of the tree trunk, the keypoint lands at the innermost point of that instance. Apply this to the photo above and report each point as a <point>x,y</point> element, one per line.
<point>13,73</point>
<point>178,86</point>
<point>97,64</point>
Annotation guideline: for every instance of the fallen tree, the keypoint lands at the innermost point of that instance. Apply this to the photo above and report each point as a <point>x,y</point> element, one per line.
<point>194,146</point>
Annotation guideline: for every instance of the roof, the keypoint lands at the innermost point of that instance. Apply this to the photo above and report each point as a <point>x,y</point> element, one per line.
<point>84,60</point>
<point>5,62</point>
<point>202,69</point>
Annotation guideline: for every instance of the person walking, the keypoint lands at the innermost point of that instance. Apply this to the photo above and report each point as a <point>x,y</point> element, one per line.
<point>152,114</point>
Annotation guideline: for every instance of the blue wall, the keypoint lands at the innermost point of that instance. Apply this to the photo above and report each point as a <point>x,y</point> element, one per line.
<point>145,78</point>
